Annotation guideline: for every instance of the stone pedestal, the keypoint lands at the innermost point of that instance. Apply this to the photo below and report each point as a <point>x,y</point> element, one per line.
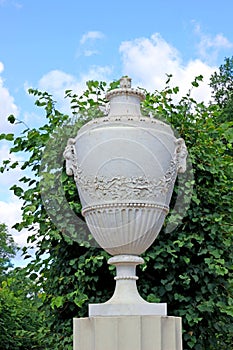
<point>128,333</point>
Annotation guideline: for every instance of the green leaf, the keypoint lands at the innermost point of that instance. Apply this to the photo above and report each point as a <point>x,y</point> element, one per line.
<point>11,119</point>
<point>195,84</point>
<point>9,137</point>
<point>17,190</point>
<point>57,302</point>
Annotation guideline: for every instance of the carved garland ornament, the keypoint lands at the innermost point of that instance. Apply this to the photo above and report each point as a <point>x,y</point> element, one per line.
<point>125,188</point>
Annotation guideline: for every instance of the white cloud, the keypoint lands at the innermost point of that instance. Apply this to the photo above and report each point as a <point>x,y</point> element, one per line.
<point>10,212</point>
<point>97,73</point>
<point>209,46</point>
<point>89,53</point>
<point>10,215</point>
<point>56,82</point>
<point>148,60</point>
<point>91,35</point>
<point>7,105</point>
<point>10,206</point>
<point>15,4</point>
<point>88,44</point>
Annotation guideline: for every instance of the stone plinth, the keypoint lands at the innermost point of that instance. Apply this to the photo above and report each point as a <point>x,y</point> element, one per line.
<point>128,333</point>
<point>127,309</point>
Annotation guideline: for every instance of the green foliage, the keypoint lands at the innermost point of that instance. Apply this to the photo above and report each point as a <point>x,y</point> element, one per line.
<point>8,250</point>
<point>222,84</point>
<point>20,322</point>
<point>19,301</point>
<point>190,268</point>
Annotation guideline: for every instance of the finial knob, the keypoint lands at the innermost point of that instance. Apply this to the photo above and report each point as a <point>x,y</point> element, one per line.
<point>125,82</point>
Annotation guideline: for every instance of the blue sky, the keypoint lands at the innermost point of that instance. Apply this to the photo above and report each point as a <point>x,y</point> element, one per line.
<point>54,45</point>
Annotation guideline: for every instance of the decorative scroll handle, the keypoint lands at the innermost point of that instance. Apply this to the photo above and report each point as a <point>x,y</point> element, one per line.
<point>181,155</point>
<point>70,157</point>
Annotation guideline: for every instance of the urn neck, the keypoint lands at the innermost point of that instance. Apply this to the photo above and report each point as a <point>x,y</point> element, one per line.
<point>126,289</point>
<point>125,100</point>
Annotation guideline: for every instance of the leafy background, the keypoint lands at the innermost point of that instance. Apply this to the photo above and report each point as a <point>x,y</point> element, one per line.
<point>190,268</point>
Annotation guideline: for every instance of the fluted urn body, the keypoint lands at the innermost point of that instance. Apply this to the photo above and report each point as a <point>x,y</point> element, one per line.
<point>125,166</point>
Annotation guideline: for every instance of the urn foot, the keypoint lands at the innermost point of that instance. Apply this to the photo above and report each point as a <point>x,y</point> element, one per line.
<point>126,299</point>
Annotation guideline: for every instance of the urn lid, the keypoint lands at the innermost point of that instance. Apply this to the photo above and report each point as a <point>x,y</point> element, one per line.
<point>125,111</point>
<point>125,101</point>
<point>125,89</point>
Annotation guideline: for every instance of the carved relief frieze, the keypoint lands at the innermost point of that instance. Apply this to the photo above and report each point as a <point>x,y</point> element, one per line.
<point>125,188</point>
<point>121,187</point>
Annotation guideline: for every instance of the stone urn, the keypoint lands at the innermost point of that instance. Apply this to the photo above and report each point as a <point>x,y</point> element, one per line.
<point>125,166</point>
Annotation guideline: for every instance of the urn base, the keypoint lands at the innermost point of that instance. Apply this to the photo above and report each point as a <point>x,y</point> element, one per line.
<point>143,309</point>
<point>126,299</point>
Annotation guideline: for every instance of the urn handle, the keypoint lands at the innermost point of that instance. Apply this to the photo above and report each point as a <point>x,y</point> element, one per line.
<point>181,155</point>
<point>70,157</point>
